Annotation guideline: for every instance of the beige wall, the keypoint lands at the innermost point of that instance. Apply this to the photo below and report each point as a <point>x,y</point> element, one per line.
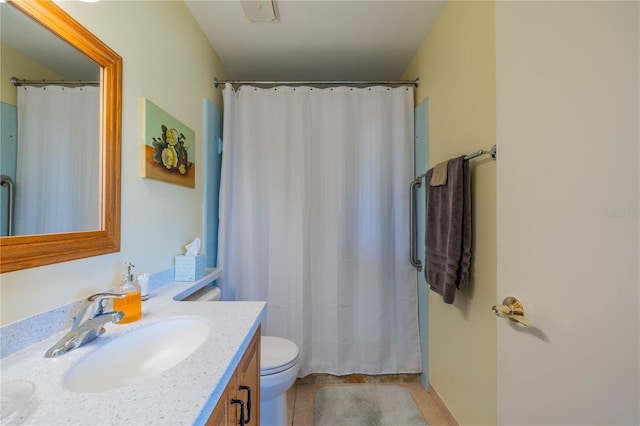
<point>456,66</point>
<point>15,64</point>
<point>167,59</point>
<point>568,109</point>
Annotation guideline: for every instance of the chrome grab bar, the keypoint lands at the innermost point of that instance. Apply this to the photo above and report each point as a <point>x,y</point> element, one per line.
<point>6,180</point>
<point>416,183</point>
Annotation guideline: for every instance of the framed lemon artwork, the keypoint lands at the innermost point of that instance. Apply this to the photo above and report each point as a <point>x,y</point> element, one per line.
<point>169,147</point>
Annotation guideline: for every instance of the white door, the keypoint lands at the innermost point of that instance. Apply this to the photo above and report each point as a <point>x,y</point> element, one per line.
<point>568,211</point>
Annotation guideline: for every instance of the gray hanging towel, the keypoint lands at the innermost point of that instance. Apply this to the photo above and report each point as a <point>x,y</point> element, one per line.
<point>448,231</point>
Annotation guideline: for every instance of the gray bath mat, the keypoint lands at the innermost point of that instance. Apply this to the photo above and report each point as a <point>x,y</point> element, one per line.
<point>382,405</point>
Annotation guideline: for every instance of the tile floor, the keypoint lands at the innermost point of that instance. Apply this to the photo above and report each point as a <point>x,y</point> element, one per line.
<point>300,402</point>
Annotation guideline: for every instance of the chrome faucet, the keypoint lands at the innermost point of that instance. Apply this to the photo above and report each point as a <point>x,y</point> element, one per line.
<point>92,327</point>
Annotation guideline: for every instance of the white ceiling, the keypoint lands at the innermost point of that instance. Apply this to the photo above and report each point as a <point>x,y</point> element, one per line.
<point>318,39</point>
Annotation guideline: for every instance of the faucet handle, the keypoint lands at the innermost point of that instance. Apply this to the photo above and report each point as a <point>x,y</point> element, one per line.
<point>100,298</point>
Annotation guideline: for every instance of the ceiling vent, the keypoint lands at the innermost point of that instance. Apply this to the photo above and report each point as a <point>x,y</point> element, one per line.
<point>259,11</point>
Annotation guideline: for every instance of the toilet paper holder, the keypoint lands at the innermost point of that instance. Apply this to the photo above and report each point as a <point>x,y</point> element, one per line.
<point>511,308</point>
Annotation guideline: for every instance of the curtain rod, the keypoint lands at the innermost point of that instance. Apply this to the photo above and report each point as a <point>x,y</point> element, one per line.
<point>415,82</point>
<point>18,82</point>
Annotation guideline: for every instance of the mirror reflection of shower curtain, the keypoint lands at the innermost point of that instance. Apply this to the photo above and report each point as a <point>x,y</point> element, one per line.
<point>314,215</point>
<point>58,171</point>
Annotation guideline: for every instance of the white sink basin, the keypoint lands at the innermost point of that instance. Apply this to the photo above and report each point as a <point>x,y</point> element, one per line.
<point>138,355</point>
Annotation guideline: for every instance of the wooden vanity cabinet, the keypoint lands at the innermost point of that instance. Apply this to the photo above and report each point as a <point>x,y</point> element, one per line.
<point>243,386</point>
<point>221,413</point>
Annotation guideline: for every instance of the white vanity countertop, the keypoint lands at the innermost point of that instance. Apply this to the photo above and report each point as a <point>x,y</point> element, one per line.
<point>184,394</point>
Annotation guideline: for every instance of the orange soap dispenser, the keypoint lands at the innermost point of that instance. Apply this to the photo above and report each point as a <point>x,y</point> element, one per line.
<point>131,305</point>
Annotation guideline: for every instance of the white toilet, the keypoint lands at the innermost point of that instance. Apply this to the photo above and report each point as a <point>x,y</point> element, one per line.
<point>278,368</point>
<point>278,371</point>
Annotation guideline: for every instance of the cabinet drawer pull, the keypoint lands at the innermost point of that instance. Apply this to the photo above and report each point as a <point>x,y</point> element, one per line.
<point>241,402</point>
<point>248,389</point>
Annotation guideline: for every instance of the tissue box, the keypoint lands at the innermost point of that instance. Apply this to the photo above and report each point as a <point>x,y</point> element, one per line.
<point>189,268</point>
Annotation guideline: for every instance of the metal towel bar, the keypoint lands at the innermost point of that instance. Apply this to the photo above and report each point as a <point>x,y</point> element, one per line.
<point>8,182</point>
<point>417,183</point>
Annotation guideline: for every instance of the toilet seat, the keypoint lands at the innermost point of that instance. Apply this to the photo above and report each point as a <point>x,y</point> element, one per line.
<point>276,355</point>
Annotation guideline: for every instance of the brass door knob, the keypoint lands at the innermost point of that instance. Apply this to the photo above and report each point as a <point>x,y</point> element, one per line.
<point>511,308</point>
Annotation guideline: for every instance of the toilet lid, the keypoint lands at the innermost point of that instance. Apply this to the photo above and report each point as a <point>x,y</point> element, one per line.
<point>276,354</point>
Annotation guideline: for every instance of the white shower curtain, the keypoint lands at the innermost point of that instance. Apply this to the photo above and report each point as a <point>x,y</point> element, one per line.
<point>58,165</point>
<point>314,213</point>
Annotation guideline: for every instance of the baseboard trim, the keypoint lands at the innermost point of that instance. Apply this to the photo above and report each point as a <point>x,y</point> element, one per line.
<point>441,405</point>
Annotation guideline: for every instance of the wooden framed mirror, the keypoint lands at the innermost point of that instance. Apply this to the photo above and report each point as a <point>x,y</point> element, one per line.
<point>28,251</point>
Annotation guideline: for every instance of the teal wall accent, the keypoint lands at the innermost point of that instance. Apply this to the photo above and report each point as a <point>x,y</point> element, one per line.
<point>212,163</point>
<point>8,155</point>
<point>421,163</point>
